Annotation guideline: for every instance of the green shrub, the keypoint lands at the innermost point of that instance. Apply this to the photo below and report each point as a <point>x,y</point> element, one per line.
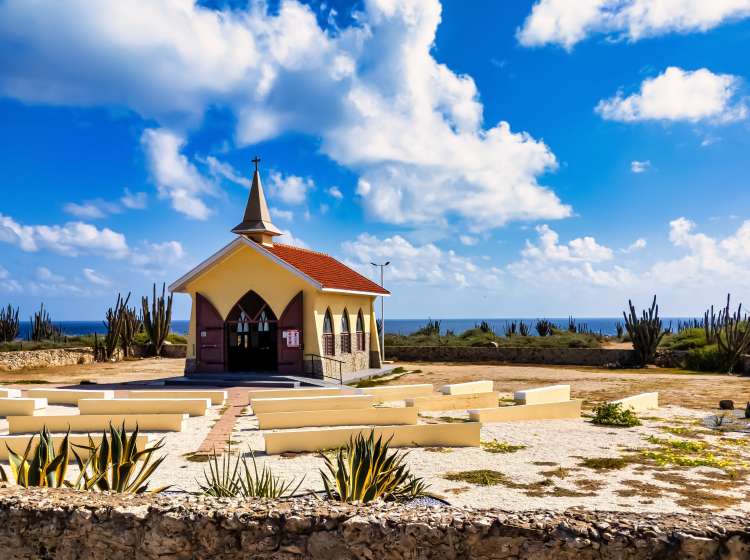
<point>364,471</point>
<point>612,414</point>
<point>175,338</point>
<point>685,340</point>
<point>708,358</point>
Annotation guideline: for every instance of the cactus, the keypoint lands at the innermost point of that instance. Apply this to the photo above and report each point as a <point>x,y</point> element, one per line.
<point>485,327</point>
<point>711,325</point>
<point>42,328</point>
<point>157,319</point>
<point>523,329</point>
<point>113,322</point>
<point>510,329</point>
<point>645,332</point>
<point>544,327</point>
<point>620,329</point>
<point>9,324</point>
<point>733,335</point>
<point>132,324</point>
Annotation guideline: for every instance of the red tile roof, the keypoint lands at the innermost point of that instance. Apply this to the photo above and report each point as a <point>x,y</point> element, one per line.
<point>324,269</point>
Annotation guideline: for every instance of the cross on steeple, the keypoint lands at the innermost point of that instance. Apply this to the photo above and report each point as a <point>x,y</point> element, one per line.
<point>256,223</point>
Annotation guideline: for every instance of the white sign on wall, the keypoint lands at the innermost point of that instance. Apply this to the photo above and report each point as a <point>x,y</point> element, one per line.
<point>291,337</point>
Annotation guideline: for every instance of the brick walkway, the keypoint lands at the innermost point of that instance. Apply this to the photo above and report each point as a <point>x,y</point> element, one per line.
<point>221,432</point>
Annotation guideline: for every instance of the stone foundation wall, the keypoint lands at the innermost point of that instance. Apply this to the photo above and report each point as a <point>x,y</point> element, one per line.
<point>69,525</point>
<point>30,359</point>
<point>515,355</point>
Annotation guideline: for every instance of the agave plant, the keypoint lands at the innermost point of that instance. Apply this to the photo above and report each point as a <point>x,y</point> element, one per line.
<point>364,471</point>
<point>230,477</point>
<point>45,466</point>
<point>116,464</point>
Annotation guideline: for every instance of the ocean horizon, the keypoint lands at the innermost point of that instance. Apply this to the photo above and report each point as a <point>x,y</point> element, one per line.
<point>603,325</point>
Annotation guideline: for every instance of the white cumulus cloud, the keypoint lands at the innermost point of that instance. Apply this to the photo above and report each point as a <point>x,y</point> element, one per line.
<point>679,95</point>
<point>95,278</point>
<point>637,166</point>
<point>567,22</point>
<point>176,177</point>
<point>372,93</point>
<point>290,189</point>
<point>71,239</point>
<point>418,264</point>
<point>336,193</point>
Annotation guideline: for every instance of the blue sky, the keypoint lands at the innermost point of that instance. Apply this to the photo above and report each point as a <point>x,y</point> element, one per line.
<point>517,158</point>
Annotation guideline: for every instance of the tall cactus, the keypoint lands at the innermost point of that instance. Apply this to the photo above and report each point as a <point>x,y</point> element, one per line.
<point>157,319</point>
<point>645,331</point>
<point>9,325</point>
<point>733,336</point>
<point>113,323</point>
<point>132,324</point>
<point>42,328</point>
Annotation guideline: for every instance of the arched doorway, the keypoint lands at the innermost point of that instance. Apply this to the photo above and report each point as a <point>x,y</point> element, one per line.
<point>252,339</point>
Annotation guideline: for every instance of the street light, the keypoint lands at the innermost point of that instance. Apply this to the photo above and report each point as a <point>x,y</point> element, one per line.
<point>382,309</point>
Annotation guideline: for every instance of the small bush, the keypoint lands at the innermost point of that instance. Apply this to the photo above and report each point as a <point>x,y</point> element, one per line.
<point>685,340</point>
<point>612,414</point>
<point>707,358</point>
<point>175,338</point>
<point>604,463</point>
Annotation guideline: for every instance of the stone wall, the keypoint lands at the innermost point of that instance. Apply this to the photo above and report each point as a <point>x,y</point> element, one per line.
<point>68,525</point>
<point>28,359</point>
<point>514,355</point>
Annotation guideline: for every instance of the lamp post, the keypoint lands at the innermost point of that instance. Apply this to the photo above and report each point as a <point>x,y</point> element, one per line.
<point>382,309</point>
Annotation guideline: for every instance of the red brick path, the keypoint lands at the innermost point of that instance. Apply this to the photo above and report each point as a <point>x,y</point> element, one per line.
<point>221,432</point>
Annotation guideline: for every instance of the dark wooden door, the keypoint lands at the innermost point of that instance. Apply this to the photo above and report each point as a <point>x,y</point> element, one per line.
<point>210,339</point>
<point>290,338</point>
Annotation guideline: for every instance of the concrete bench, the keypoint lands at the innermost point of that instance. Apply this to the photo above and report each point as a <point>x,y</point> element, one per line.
<point>96,423</point>
<point>398,392</point>
<point>340,402</point>
<point>68,396</point>
<point>10,393</point>
<point>421,435</point>
<point>18,444</point>
<point>193,407</point>
<point>641,402</point>
<point>217,397</point>
<point>454,402</point>
<point>21,406</point>
<point>470,388</point>
<point>541,395</point>
<point>303,392</point>
<point>349,417</point>
<point>545,411</point>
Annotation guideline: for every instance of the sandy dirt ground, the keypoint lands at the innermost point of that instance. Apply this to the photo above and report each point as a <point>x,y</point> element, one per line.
<point>672,462</point>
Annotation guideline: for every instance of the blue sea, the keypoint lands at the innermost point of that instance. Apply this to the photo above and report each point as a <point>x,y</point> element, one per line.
<point>603,325</point>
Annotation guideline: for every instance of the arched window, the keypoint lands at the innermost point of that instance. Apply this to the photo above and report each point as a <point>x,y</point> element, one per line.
<point>263,321</point>
<point>360,332</point>
<point>329,346</point>
<point>346,334</point>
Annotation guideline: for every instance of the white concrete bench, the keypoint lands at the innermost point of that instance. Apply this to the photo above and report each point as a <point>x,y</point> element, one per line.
<point>470,388</point>
<point>301,392</point>
<point>18,444</point>
<point>454,402</point>
<point>21,406</point>
<point>347,417</point>
<point>398,392</point>
<point>193,407</point>
<point>641,402</point>
<point>217,397</point>
<point>421,435</point>
<point>311,403</point>
<point>68,396</point>
<point>541,395</point>
<point>545,411</point>
<point>10,393</point>
<point>93,423</point>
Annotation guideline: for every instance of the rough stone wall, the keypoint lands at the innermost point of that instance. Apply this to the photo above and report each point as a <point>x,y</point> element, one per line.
<point>518,355</point>
<point>63,524</point>
<point>28,359</point>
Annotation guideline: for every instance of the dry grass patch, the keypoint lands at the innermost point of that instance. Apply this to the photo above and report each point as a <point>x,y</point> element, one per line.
<point>495,446</point>
<point>479,477</point>
<point>639,488</point>
<point>605,463</point>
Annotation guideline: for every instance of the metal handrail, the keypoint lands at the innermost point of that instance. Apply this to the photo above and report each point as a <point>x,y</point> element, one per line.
<point>339,362</point>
